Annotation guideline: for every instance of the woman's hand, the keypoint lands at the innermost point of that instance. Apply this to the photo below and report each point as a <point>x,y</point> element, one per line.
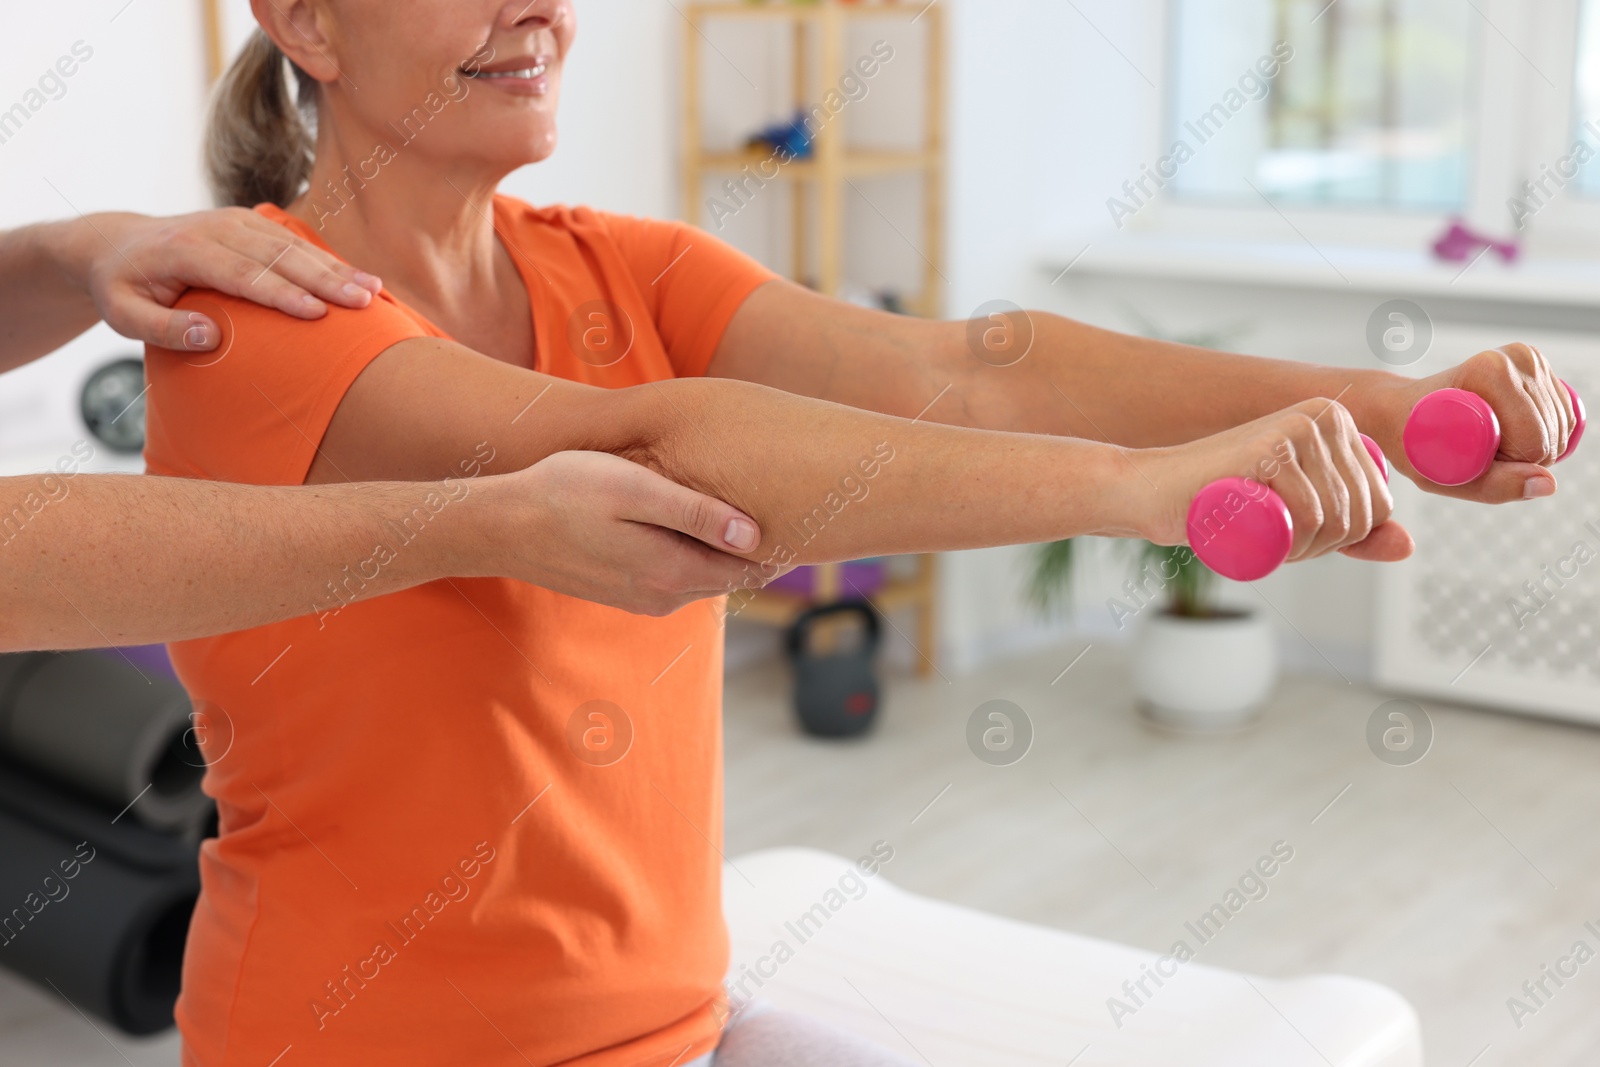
<point>1311,455</point>
<point>1535,413</point>
<point>599,527</point>
<point>136,267</point>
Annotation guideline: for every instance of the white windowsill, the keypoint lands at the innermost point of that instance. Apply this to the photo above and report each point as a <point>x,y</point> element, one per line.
<point>1540,281</point>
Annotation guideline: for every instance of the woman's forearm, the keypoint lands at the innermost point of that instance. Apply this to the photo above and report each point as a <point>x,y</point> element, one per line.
<point>829,482</point>
<point>1040,373</point>
<point>44,302</point>
<point>1144,393</point>
<point>832,481</point>
<point>100,560</point>
<point>1031,372</point>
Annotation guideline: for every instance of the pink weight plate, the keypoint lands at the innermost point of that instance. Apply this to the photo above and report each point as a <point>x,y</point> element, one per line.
<point>1240,529</point>
<point>1452,436</point>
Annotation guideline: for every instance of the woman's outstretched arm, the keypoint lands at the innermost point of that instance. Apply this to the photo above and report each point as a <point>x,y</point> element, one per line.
<point>829,482</point>
<point>1041,373</point>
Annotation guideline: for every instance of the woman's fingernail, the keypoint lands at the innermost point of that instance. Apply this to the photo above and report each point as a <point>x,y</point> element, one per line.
<point>741,534</point>
<point>370,281</point>
<point>1534,488</point>
<point>199,337</point>
<point>310,303</point>
<point>352,291</point>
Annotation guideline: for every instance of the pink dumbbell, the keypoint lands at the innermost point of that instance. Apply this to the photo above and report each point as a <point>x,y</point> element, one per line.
<point>1453,436</point>
<point>1242,530</point>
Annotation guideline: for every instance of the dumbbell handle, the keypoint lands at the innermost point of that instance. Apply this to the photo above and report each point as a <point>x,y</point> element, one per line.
<point>1243,530</point>
<point>1453,436</point>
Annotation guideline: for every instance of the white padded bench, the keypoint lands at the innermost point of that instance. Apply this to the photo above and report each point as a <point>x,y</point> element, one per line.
<point>959,988</point>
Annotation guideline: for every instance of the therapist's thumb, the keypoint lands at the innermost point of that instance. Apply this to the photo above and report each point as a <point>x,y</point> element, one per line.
<point>705,518</point>
<point>142,319</point>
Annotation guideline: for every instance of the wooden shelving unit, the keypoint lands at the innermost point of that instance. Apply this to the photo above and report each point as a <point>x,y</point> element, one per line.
<point>817,236</point>
<point>819,50</point>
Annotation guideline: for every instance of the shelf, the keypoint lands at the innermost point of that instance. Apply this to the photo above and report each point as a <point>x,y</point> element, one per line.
<point>819,34</point>
<point>854,164</point>
<point>780,607</point>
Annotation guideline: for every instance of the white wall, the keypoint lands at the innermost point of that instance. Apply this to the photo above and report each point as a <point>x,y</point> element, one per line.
<point>1048,118</point>
<point>124,134</point>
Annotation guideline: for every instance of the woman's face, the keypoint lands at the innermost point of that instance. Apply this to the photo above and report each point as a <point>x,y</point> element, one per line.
<point>458,81</point>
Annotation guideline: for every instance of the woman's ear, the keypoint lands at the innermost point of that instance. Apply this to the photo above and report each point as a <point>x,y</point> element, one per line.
<point>297,28</point>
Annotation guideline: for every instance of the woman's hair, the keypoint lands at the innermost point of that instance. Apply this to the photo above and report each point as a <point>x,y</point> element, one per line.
<point>259,139</point>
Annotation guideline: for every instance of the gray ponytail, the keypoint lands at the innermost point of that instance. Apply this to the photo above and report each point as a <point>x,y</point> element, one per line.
<point>259,139</point>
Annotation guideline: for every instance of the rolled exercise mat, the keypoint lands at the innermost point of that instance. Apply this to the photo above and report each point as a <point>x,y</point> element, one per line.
<point>94,722</point>
<point>92,911</point>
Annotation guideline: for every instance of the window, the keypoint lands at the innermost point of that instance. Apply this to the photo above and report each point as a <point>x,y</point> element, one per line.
<point>1586,104</point>
<point>1369,105</point>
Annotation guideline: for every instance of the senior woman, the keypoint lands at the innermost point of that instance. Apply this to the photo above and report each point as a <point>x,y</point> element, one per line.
<point>478,821</point>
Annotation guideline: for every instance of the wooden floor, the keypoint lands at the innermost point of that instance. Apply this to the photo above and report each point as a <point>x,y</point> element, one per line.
<point>1454,880</point>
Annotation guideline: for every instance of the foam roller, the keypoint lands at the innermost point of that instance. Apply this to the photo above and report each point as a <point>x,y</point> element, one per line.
<point>92,911</point>
<point>95,723</point>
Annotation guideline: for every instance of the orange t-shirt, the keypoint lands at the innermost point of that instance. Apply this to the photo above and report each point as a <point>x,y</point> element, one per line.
<point>441,840</point>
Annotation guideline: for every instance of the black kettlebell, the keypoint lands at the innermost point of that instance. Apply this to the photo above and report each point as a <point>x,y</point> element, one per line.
<point>836,692</point>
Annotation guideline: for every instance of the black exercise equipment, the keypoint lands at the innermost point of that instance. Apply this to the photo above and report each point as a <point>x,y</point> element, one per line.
<point>836,689</point>
<point>97,724</point>
<point>92,910</point>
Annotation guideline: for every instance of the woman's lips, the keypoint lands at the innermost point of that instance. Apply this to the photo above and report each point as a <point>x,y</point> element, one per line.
<point>524,77</point>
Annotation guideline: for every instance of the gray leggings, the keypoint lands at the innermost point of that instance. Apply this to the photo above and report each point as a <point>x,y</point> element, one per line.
<point>763,1036</point>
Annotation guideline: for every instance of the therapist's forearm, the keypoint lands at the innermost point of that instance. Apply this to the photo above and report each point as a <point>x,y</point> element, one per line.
<point>100,560</point>
<point>44,299</point>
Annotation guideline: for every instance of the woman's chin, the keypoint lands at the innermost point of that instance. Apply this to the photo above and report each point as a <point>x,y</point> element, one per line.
<point>509,155</point>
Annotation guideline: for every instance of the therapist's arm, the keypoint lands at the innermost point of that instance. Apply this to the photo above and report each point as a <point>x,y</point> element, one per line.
<point>57,279</point>
<point>99,560</point>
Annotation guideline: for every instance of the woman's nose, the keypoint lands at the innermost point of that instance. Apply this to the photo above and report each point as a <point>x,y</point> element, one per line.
<point>522,14</point>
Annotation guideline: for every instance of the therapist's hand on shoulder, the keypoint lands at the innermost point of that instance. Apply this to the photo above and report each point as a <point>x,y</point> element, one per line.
<point>136,267</point>
<point>602,528</point>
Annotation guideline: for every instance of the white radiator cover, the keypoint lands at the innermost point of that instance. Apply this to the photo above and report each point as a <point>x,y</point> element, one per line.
<point>1446,622</point>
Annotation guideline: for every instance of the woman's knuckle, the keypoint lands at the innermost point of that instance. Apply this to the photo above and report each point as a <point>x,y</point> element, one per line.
<point>699,514</point>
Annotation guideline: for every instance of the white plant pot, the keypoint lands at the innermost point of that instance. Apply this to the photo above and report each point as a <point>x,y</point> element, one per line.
<point>1204,674</point>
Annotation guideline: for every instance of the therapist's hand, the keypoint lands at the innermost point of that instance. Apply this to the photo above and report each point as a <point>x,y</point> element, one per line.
<point>136,267</point>
<point>599,527</point>
<point>1535,413</point>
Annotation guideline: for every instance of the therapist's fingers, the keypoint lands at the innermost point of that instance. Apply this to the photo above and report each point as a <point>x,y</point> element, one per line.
<point>662,502</point>
<point>303,269</point>
<point>270,266</point>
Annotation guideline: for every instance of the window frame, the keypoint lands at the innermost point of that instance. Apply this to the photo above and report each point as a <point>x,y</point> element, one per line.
<point>1569,225</point>
<point>1501,142</point>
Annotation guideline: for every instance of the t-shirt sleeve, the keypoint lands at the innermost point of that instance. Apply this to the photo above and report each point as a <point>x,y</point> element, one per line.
<point>255,409</point>
<point>693,281</point>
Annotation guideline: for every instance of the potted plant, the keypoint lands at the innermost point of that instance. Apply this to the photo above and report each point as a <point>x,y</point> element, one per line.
<point>1197,665</point>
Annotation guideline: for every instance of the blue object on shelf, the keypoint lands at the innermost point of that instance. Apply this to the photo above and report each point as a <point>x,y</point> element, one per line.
<point>792,137</point>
